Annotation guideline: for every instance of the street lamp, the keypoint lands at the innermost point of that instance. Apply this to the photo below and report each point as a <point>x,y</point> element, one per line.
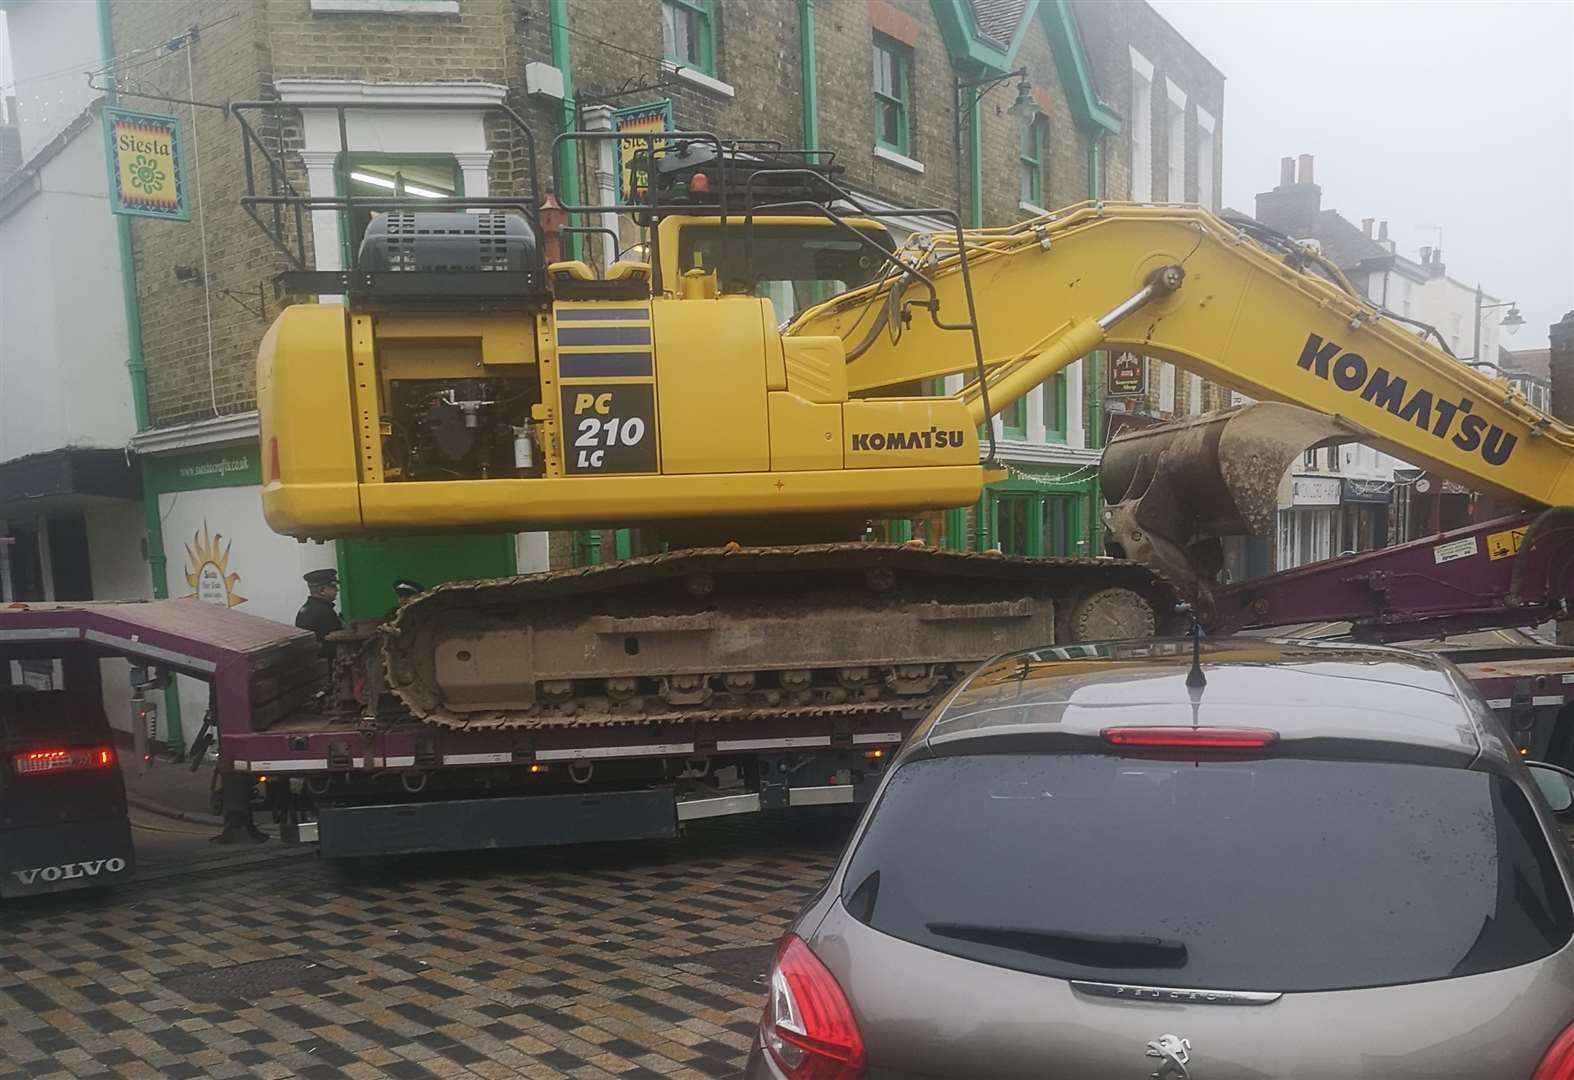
<point>969,93</point>
<point>1510,322</point>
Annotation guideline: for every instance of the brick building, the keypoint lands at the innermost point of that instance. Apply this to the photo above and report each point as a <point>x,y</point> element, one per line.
<point>912,96</point>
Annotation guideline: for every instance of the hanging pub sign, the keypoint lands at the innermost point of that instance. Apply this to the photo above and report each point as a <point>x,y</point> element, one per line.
<point>146,177</point>
<point>634,154</point>
<point>1128,375</point>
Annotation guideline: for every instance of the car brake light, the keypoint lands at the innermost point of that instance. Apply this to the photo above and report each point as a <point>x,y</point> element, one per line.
<point>808,1027</point>
<point>1191,738</point>
<point>56,761</point>
<point>1558,1062</point>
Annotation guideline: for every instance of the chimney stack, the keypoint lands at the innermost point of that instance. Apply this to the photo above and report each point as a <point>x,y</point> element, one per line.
<point>1293,206</point>
<point>1382,231</point>
<point>1426,256</point>
<point>1366,227</point>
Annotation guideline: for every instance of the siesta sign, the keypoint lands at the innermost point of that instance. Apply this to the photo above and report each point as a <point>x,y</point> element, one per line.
<point>147,177</point>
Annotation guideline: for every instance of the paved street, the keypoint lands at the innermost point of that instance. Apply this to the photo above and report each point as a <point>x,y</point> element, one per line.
<point>638,961</point>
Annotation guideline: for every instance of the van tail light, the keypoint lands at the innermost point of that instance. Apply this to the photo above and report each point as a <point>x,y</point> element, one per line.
<point>1558,1062</point>
<point>808,1027</point>
<point>32,762</point>
<point>1191,738</point>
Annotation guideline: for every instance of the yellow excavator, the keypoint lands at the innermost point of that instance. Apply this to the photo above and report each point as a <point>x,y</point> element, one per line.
<point>467,385</point>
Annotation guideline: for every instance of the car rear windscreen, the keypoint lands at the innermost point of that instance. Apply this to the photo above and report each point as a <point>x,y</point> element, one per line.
<point>1278,874</point>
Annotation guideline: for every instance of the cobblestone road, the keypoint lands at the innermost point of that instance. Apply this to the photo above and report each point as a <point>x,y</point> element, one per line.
<point>630,961</point>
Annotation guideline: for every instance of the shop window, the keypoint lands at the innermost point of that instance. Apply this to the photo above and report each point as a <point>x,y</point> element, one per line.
<point>1030,162</point>
<point>1060,524</point>
<point>892,81</point>
<point>686,35</point>
<point>1055,408</point>
<point>1012,532</point>
<point>385,176</point>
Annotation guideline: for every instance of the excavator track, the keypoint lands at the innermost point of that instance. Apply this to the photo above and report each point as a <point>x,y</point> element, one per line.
<point>724,634</point>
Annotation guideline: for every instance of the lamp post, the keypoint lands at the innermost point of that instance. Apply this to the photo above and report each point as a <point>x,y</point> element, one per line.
<point>1512,321</point>
<point>968,93</point>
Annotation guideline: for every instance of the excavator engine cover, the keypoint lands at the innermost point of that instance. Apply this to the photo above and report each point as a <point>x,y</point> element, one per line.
<point>1176,488</point>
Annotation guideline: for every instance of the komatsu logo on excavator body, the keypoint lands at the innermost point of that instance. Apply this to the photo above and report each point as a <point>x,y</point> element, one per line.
<point>1430,412</point>
<point>908,440</point>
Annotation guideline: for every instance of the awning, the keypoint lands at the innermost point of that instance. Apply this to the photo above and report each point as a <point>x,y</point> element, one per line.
<point>67,473</point>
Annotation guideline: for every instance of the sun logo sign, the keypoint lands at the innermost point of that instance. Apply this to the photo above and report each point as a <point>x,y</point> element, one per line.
<point>208,569</point>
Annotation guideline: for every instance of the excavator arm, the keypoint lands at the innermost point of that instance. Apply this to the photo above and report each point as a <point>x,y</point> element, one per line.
<point>1271,320</point>
<point>1181,285</point>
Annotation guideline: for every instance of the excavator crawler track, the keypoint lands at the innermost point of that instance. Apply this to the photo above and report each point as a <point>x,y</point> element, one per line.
<point>723,634</point>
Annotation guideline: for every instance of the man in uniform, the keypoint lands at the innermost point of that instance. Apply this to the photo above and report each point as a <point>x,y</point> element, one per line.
<point>317,614</point>
<point>404,590</point>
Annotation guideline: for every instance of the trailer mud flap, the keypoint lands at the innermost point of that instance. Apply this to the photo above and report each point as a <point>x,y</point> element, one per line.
<point>474,824</point>
<point>72,855</point>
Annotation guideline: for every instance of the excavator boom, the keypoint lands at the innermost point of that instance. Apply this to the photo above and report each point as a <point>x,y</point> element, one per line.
<point>1256,320</point>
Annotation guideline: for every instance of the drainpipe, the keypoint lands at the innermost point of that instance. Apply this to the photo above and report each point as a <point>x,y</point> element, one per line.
<point>136,367</point>
<point>1093,368</point>
<point>975,150</point>
<point>568,153</point>
<point>811,104</point>
<point>1093,419</point>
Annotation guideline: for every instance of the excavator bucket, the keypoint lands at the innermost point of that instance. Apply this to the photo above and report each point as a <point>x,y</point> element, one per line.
<point>1175,489</point>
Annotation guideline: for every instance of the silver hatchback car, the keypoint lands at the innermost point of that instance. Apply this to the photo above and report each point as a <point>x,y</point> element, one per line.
<point>1327,861</point>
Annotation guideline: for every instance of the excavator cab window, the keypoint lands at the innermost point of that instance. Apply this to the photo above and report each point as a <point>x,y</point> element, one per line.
<point>795,266</point>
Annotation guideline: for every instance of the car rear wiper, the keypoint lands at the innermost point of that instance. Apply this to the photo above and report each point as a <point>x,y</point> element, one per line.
<point>1072,946</point>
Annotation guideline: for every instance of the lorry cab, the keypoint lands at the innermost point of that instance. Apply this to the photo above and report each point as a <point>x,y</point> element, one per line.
<point>63,816</point>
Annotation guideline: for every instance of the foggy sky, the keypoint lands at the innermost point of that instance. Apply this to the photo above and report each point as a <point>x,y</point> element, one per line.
<point>1450,113</point>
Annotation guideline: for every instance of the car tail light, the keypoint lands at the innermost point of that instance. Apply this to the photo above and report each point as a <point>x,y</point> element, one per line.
<point>30,762</point>
<point>1558,1062</point>
<point>808,1027</point>
<point>1191,738</point>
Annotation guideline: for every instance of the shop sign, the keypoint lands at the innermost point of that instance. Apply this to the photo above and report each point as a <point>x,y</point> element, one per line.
<point>1314,491</point>
<point>208,569</point>
<point>146,177</point>
<point>225,466</point>
<point>1429,485</point>
<point>1128,375</point>
<point>638,120</point>
<point>1366,491</point>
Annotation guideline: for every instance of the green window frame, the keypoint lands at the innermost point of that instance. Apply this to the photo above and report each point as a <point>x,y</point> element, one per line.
<point>687,36</point>
<point>1030,162</point>
<point>429,177</point>
<point>1055,408</point>
<point>893,63</point>
<point>1013,419</point>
